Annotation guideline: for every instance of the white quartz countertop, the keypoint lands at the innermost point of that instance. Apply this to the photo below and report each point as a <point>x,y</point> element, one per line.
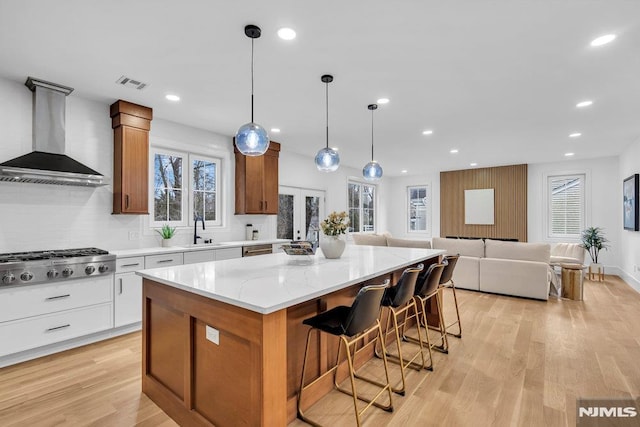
<point>269,283</point>
<point>121,253</point>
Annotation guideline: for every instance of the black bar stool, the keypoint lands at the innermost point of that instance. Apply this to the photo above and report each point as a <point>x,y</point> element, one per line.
<point>351,324</point>
<point>428,287</point>
<point>446,282</point>
<point>399,299</point>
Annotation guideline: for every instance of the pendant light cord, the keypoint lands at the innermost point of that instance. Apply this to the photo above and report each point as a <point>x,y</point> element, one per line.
<point>372,135</point>
<point>251,80</point>
<point>327,105</point>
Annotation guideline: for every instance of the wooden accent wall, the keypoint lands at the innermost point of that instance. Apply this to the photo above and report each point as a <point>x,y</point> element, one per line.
<point>510,198</point>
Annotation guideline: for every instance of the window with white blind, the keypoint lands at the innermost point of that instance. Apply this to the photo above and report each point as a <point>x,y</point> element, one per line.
<point>566,205</point>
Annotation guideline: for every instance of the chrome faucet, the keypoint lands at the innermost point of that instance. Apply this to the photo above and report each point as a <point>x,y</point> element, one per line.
<point>195,229</point>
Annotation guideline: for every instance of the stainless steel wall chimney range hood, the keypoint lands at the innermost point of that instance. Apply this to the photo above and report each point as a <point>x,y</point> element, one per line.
<point>47,163</point>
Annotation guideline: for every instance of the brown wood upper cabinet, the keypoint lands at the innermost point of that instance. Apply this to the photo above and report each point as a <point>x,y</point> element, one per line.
<point>131,124</point>
<point>257,182</point>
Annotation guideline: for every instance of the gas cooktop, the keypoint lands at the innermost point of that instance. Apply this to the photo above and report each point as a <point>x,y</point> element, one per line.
<point>22,268</point>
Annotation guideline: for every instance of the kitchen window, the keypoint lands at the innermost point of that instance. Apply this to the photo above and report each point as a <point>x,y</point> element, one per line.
<point>362,206</point>
<point>179,195</point>
<point>566,205</point>
<point>418,209</point>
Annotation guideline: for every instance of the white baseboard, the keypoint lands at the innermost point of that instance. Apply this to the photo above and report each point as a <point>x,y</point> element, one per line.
<point>35,353</point>
<point>631,281</point>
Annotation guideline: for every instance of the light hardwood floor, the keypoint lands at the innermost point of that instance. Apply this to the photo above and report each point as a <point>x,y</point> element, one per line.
<point>520,362</point>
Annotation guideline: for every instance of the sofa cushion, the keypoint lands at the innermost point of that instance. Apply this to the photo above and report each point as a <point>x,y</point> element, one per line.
<point>369,239</point>
<point>512,277</point>
<point>517,250</point>
<point>571,253</point>
<point>466,274</point>
<point>466,247</point>
<point>408,243</point>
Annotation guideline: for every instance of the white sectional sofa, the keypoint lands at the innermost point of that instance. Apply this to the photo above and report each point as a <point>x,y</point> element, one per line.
<point>509,268</point>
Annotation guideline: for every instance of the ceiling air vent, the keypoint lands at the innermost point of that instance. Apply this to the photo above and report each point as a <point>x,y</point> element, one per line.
<point>131,83</point>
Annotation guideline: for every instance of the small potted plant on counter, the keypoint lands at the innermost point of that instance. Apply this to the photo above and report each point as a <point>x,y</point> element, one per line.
<point>333,227</point>
<point>166,232</point>
<point>593,241</point>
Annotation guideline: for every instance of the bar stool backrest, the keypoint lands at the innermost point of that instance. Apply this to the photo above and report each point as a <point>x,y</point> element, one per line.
<point>430,281</point>
<point>406,286</point>
<point>365,309</point>
<point>449,265</point>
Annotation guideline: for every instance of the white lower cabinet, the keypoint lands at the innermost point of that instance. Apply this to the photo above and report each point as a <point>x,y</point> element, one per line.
<point>127,299</point>
<point>199,256</point>
<point>37,331</point>
<point>228,253</point>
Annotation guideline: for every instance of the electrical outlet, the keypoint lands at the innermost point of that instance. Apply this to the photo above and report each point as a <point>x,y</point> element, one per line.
<point>134,235</point>
<point>213,335</point>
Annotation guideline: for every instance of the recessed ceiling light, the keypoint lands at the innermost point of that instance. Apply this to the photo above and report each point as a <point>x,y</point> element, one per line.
<point>427,132</point>
<point>603,40</point>
<point>568,154</point>
<point>584,104</point>
<point>473,164</point>
<point>403,171</point>
<point>454,151</point>
<point>172,97</point>
<point>334,148</point>
<point>286,33</point>
<point>275,130</point>
<point>575,135</point>
<point>383,101</point>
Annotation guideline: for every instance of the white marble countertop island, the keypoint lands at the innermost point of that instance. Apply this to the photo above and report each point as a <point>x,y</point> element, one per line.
<point>269,283</point>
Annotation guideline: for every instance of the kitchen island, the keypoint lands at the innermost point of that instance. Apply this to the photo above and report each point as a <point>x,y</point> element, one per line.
<point>223,340</point>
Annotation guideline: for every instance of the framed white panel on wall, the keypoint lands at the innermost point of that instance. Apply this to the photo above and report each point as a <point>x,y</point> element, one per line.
<point>479,207</point>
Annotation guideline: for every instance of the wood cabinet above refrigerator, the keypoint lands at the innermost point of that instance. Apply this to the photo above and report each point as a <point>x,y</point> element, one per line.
<point>131,124</point>
<point>257,182</point>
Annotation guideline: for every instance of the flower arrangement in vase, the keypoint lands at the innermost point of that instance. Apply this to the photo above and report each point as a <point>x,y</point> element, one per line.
<point>166,232</point>
<point>333,227</point>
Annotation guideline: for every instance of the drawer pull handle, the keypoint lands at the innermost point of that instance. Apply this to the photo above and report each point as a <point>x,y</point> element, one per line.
<point>57,297</point>
<point>56,328</point>
<point>130,265</point>
<point>164,260</point>
<point>120,286</point>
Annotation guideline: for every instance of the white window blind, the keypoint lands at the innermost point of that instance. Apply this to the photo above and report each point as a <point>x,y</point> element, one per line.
<point>566,205</point>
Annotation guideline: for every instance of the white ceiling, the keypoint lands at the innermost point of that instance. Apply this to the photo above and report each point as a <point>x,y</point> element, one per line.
<point>497,79</point>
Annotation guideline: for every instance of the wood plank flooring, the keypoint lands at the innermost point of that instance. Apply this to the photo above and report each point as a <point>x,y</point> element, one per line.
<point>520,362</point>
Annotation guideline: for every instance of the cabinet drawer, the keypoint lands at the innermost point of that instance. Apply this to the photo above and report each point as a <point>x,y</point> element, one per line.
<point>164,260</point>
<point>38,331</point>
<point>125,265</point>
<point>34,300</point>
<point>228,253</point>
<point>199,256</point>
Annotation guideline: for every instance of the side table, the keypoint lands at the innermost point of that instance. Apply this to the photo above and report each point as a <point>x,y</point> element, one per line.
<point>572,281</point>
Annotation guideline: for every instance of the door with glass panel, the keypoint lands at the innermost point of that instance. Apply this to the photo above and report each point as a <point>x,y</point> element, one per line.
<point>300,211</point>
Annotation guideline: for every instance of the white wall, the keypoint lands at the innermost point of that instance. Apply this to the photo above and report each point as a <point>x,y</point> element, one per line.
<point>38,217</point>
<point>397,205</point>
<point>629,240</point>
<point>603,194</point>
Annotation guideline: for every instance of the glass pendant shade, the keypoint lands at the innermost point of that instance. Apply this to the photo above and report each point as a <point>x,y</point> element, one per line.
<point>252,139</point>
<point>372,171</point>
<point>327,160</point>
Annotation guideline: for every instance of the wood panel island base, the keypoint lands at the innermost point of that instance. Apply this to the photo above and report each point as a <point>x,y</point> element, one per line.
<point>223,341</point>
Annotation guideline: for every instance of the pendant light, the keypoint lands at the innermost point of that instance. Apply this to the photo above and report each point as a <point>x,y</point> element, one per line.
<point>372,171</point>
<point>251,138</point>
<point>327,159</point>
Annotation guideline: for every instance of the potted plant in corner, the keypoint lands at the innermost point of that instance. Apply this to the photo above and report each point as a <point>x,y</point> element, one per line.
<point>333,227</point>
<point>593,241</point>
<point>166,233</point>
